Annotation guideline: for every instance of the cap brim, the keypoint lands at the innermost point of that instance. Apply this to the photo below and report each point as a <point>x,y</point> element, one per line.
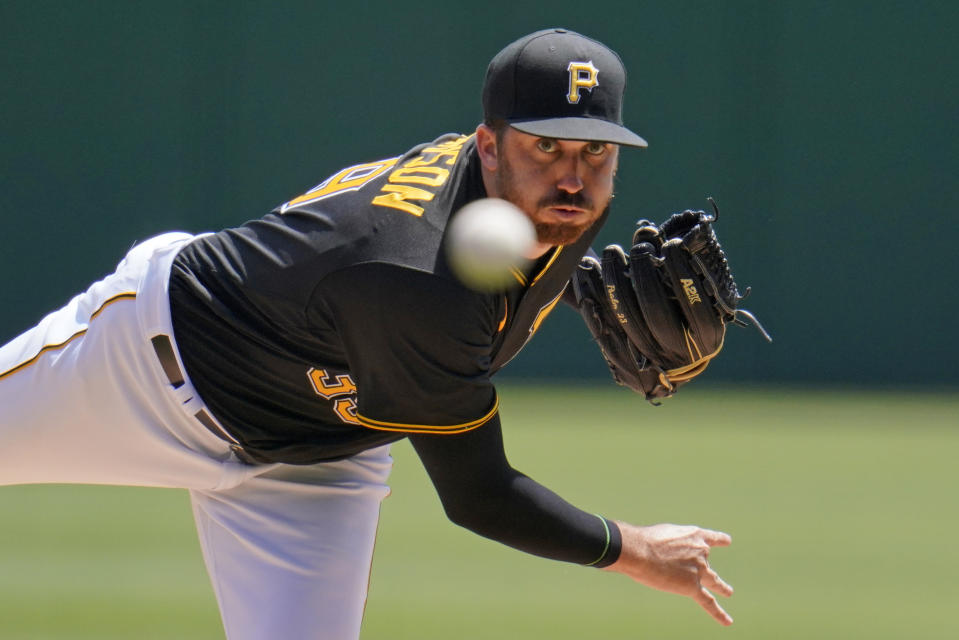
<point>579,129</point>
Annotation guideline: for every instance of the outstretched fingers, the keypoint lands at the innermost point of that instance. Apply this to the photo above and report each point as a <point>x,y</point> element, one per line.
<point>716,538</point>
<point>675,558</point>
<point>711,580</point>
<point>708,602</point>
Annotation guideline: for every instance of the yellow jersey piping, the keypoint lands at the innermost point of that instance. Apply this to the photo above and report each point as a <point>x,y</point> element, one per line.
<point>548,265</point>
<point>518,275</point>
<point>434,429</point>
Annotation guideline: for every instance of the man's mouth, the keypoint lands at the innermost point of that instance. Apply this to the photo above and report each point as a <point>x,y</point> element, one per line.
<point>567,205</point>
<point>565,211</point>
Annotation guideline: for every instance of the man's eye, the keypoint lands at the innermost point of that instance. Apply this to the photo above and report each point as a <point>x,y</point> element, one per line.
<point>546,145</point>
<point>595,148</point>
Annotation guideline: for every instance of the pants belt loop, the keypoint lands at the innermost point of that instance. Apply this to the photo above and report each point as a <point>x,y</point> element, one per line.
<point>163,347</point>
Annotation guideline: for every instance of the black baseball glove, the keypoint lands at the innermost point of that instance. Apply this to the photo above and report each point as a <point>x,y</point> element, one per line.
<point>659,313</point>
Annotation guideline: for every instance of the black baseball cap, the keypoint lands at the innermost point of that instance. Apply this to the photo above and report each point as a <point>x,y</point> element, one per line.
<point>559,84</point>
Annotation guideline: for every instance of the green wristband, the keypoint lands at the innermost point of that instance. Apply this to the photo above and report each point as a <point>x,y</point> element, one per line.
<point>605,548</point>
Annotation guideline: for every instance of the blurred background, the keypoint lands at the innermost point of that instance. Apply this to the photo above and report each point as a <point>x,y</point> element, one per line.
<point>826,131</point>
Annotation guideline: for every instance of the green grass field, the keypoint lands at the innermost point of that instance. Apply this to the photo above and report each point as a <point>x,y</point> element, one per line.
<point>842,508</point>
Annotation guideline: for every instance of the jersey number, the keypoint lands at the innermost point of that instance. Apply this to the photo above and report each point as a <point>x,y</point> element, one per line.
<point>339,390</point>
<point>349,179</point>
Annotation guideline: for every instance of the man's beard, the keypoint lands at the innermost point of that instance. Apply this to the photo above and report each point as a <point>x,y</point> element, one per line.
<point>561,233</point>
<point>551,233</point>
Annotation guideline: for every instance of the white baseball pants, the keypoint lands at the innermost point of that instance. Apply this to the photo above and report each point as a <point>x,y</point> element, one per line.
<point>84,399</point>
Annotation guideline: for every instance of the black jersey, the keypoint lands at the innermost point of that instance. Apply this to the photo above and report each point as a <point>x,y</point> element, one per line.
<point>333,324</point>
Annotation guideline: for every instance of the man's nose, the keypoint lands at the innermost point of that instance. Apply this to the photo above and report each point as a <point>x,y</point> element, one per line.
<point>570,179</point>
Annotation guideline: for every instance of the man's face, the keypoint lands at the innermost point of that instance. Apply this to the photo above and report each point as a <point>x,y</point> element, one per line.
<point>562,185</point>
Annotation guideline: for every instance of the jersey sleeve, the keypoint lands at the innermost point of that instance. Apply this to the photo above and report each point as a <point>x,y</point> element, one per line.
<point>482,492</point>
<point>418,347</point>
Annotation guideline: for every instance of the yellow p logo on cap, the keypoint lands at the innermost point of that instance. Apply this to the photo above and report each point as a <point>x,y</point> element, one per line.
<point>582,75</point>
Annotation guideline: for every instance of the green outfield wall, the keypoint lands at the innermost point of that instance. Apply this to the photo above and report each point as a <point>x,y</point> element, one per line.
<point>826,131</point>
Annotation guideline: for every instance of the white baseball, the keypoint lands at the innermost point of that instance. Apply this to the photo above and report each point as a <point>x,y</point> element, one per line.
<point>486,240</point>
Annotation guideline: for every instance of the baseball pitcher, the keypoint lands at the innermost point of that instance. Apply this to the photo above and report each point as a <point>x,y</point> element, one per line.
<point>267,368</point>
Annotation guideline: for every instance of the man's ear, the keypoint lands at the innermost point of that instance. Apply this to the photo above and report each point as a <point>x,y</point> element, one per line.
<point>486,147</point>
